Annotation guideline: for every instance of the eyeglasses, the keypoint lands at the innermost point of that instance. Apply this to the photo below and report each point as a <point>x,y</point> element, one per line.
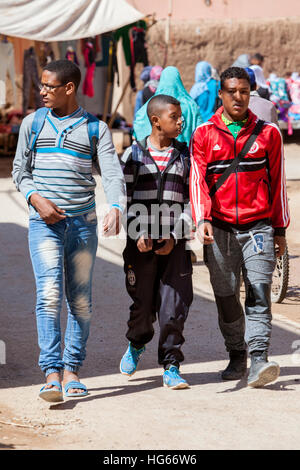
<point>49,88</point>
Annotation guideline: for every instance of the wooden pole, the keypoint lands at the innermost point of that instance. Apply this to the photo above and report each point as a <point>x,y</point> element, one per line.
<point>109,82</point>
<point>113,117</point>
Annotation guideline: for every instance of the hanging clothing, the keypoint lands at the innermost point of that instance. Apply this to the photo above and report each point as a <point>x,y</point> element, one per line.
<point>205,90</point>
<point>124,34</point>
<point>95,41</point>
<point>7,66</point>
<point>105,40</point>
<point>279,96</point>
<point>138,51</point>
<point>30,80</point>
<point>45,54</point>
<point>89,61</point>
<point>134,46</point>
<point>294,88</point>
<point>138,46</point>
<point>278,89</point>
<point>170,84</point>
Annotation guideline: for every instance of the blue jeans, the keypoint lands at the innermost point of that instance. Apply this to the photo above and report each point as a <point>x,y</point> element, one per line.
<point>63,252</point>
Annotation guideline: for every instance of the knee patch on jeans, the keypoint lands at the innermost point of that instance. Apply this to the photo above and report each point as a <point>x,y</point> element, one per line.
<point>259,296</point>
<point>229,308</point>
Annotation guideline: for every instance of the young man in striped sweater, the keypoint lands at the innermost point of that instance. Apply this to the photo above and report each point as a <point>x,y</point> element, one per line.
<point>157,265</point>
<point>240,206</point>
<point>60,190</point>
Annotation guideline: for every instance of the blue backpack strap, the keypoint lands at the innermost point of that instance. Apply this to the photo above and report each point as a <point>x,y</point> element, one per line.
<point>36,127</point>
<point>93,125</point>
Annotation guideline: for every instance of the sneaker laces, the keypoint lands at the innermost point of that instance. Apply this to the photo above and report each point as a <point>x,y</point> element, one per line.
<point>174,370</point>
<point>135,353</point>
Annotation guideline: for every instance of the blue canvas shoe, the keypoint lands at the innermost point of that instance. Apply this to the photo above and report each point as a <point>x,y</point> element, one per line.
<point>130,360</point>
<point>172,379</point>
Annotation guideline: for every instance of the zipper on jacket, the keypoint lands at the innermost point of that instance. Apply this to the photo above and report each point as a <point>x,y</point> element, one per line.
<point>236,173</point>
<point>172,159</point>
<point>160,175</point>
<point>236,187</point>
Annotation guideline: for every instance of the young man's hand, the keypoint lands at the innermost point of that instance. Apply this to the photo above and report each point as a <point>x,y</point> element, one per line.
<point>144,244</point>
<point>112,222</point>
<point>280,245</point>
<point>49,212</point>
<point>168,246</point>
<point>205,233</point>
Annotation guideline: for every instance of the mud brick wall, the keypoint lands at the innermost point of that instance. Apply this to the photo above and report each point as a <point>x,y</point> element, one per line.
<point>220,43</point>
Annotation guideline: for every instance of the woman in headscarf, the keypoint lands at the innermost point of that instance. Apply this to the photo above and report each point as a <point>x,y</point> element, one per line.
<point>170,84</point>
<point>205,90</point>
<point>145,77</point>
<point>262,87</point>
<point>242,61</point>
<point>151,86</point>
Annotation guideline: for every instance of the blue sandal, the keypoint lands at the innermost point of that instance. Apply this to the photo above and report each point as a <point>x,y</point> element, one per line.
<point>52,394</point>
<point>74,384</point>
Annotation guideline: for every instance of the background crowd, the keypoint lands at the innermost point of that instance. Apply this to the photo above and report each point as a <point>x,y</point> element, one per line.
<point>200,103</point>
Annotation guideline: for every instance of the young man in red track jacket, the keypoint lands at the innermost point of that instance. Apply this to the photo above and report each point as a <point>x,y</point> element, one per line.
<point>242,225</point>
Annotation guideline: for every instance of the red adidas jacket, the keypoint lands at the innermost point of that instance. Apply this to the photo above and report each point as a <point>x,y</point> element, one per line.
<point>255,191</point>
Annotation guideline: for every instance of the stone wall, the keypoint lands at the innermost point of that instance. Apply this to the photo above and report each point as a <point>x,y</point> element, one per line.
<point>220,43</point>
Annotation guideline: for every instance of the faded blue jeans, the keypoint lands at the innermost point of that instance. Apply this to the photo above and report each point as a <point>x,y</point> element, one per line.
<point>63,253</point>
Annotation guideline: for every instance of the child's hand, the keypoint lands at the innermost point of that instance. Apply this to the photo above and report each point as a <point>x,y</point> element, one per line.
<point>280,245</point>
<point>167,248</point>
<point>205,233</point>
<point>112,223</point>
<point>144,244</point>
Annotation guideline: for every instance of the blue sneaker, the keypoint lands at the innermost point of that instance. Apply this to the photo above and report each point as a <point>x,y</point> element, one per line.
<point>130,360</point>
<point>172,379</point>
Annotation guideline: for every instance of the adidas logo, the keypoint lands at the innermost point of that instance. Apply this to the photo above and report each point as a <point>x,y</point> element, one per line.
<point>217,147</point>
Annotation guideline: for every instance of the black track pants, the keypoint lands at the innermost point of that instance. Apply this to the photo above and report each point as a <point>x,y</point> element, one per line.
<point>162,285</point>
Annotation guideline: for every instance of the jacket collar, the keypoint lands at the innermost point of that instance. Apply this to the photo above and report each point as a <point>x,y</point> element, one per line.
<point>217,120</point>
<point>180,146</point>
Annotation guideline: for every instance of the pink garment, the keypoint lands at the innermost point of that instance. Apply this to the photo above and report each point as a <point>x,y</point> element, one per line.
<point>294,89</point>
<point>88,86</point>
<point>155,72</point>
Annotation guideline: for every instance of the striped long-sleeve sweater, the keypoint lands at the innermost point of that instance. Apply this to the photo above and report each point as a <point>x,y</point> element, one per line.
<point>62,164</point>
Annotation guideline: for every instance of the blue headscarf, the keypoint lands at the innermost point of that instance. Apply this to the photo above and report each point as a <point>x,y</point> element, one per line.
<point>170,84</point>
<point>251,74</point>
<point>203,73</point>
<point>145,74</point>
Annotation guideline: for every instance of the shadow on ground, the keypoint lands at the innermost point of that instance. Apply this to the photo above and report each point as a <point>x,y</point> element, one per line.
<point>107,339</point>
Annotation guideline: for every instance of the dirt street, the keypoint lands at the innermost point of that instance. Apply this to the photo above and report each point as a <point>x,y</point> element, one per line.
<point>139,413</point>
